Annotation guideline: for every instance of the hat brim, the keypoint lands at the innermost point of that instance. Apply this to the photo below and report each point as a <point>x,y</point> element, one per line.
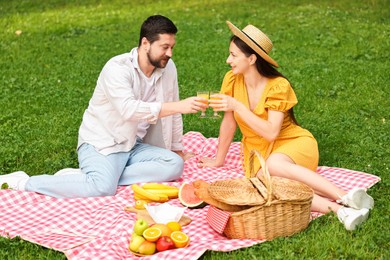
<point>240,34</point>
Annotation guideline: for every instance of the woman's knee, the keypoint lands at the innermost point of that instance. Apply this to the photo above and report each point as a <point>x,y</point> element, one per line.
<point>278,165</point>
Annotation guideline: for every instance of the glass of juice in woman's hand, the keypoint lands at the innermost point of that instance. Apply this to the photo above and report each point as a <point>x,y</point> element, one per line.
<point>205,95</point>
<point>215,115</point>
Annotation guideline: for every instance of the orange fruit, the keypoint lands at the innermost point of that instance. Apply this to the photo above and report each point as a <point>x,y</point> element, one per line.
<point>166,231</point>
<point>174,226</point>
<point>152,234</point>
<point>180,239</point>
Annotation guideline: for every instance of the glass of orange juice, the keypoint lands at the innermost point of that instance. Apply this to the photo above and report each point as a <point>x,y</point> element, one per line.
<point>205,95</point>
<point>215,115</point>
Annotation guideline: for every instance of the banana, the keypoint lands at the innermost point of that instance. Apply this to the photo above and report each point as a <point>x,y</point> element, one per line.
<point>142,192</point>
<point>157,186</point>
<point>140,197</point>
<point>171,193</point>
<point>163,197</point>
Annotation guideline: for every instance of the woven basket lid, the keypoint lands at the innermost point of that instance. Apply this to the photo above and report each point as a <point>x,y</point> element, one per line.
<point>236,192</point>
<point>290,190</point>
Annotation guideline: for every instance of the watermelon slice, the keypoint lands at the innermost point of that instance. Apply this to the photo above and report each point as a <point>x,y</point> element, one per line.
<point>188,198</point>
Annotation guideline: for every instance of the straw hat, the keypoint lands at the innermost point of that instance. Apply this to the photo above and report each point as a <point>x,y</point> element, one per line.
<point>255,39</point>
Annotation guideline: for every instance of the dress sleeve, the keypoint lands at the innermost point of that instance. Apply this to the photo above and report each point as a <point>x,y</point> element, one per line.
<point>281,96</point>
<point>227,87</point>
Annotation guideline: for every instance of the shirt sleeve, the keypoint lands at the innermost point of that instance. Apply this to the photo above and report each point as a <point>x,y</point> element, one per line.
<point>177,123</point>
<point>227,87</point>
<point>118,86</point>
<point>281,96</point>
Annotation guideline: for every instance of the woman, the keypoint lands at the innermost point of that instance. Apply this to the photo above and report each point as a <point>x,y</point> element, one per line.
<point>260,100</point>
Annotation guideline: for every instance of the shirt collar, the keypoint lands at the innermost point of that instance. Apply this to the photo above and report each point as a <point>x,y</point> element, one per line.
<point>134,59</point>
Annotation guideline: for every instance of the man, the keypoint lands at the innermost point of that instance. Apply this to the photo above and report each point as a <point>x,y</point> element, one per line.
<point>132,129</point>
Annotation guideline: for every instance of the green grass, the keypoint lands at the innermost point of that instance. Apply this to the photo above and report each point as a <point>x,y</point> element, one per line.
<point>336,54</point>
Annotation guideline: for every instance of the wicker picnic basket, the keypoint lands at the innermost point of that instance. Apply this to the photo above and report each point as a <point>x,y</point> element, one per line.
<point>283,210</point>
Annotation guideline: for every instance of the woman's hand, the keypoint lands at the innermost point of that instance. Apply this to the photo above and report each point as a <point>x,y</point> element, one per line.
<point>223,102</point>
<point>208,162</point>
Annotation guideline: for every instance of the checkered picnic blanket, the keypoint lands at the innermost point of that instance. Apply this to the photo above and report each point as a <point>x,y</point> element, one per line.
<point>99,228</point>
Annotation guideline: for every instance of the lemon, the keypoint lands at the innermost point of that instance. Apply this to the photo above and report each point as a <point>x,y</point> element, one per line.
<point>140,204</point>
<point>174,226</point>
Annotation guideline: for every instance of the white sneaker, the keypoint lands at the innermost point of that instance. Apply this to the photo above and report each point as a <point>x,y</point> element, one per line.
<point>352,217</point>
<point>15,180</point>
<point>68,171</point>
<point>357,198</point>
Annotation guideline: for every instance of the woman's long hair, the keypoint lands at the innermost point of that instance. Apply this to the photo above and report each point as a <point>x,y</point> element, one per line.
<point>263,67</point>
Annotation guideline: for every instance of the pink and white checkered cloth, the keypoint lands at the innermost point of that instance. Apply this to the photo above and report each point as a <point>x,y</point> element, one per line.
<point>99,228</point>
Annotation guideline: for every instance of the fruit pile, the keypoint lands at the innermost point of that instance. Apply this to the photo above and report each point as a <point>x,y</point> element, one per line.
<point>146,240</point>
<point>153,192</point>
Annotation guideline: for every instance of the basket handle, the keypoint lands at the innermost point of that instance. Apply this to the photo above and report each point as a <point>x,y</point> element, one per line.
<point>267,194</point>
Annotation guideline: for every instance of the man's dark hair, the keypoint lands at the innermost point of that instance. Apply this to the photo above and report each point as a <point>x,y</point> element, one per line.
<point>155,25</point>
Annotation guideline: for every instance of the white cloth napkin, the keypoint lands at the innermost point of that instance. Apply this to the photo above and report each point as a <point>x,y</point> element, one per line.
<point>165,213</point>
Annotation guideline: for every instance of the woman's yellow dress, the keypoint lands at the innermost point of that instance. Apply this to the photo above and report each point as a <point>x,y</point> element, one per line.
<point>293,140</point>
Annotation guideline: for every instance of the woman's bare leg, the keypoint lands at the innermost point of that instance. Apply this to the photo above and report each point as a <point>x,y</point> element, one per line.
<point>281,165</point>
<point>323,205</point>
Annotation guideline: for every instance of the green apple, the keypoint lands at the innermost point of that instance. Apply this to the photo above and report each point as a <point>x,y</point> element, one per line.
<point>136,242</point>
<point>147,248</point>
<point>140,226</point>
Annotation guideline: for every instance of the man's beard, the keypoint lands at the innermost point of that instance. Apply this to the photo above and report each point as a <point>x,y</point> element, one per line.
<point>158,63</point>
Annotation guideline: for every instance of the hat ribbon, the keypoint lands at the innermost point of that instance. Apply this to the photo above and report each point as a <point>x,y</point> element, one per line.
<point>255,43</point>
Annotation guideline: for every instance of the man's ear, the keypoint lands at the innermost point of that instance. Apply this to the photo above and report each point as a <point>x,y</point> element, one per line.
<point>145,43</point>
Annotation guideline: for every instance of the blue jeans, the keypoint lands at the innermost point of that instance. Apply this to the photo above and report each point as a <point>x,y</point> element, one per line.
<point>103,173</point>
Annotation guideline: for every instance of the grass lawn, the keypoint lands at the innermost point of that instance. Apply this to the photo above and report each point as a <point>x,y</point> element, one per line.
<point>336,54</point>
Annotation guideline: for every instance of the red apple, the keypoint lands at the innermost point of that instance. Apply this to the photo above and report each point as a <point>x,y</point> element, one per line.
<point>164,243</point>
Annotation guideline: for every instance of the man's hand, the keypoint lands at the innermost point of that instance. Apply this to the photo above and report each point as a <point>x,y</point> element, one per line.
<point>189,105</point>
<point>193,105</point>
<point>185,156</point>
